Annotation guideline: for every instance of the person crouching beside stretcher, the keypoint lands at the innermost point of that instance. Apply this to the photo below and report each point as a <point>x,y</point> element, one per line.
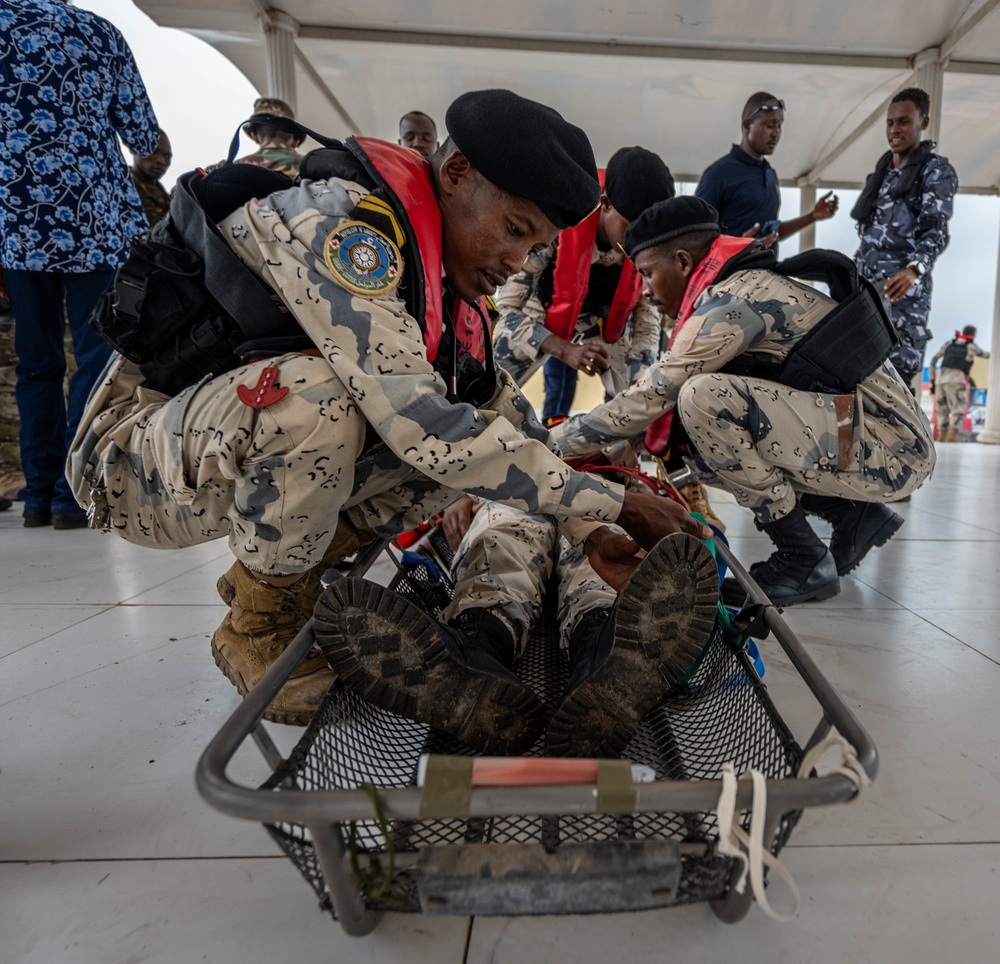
<point>385,408</point>
<point>786,393</point>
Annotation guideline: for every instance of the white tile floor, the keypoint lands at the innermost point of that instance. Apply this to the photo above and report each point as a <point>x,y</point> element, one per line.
<point>108,695</point>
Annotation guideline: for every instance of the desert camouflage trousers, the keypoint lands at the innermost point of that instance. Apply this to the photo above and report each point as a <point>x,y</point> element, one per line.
<point>765,442</point>
<point>505,562</point>
<point>172,472</point>
<point>949,399</point>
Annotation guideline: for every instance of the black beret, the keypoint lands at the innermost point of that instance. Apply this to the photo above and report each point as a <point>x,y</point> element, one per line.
<point>670,219</point>
<point>529,150</point>
<point>636,179</point>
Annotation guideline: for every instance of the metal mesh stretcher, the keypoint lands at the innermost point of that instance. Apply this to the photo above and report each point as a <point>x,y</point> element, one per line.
<point>345,808</point>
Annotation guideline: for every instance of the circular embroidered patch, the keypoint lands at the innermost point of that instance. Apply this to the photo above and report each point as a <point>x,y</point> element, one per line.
<point>363,259</point>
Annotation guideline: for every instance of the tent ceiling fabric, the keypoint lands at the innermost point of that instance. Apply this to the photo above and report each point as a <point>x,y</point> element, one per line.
<point>672,77</point>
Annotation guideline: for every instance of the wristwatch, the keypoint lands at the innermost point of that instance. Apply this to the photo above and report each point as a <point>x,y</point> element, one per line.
<point>918,268</point>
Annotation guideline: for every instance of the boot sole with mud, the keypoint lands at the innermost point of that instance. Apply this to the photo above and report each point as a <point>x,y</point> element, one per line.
<point>663,619</point>
<point>392,654</point>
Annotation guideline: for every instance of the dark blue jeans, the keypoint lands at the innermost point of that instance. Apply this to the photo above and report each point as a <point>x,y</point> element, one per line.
<point>560,387</point>
<point>43,302</point>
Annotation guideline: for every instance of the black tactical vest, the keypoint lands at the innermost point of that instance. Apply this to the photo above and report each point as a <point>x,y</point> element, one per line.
<point>956,355</point>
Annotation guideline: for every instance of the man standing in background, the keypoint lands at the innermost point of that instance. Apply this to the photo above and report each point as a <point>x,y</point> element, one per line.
<point>277,150</point>
<point>418,131</point>
<point>69,87</point>
<point>743,187</point>
<point>902,217</point>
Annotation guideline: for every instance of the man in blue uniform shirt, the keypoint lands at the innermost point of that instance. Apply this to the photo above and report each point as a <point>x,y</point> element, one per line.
<point>902,217</point>
<point>743,187</point>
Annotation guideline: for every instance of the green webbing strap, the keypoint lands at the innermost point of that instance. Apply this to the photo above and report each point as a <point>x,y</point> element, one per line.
<point>723,621</point>
<point>615,794</point>
<point>447,787</point>
<point>371,882</point>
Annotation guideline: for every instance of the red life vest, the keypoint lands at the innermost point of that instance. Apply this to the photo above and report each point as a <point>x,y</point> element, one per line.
<point>571,276</point>
<point>706,271</point>
<point>407,177</point>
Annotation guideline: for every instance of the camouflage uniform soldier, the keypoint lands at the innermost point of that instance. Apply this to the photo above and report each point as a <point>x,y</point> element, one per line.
<point>949,384</point>
<point>763,441</point>
<point>902,217</point>
<point>277,150</point>
<point>502,568</point>
<point>579,300</point>
<point>301,457</point>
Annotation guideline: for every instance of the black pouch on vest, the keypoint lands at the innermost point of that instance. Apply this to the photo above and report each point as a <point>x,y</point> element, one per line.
<point>844,348</point>
<point>183,303</point>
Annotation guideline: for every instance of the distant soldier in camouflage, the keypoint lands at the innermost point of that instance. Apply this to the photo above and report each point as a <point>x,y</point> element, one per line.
<point>147,173</point>
<point>394,410</point>
<point>779,450</point>
<point>948,385</point>
<point>277,151</point>
<point>902,216</point>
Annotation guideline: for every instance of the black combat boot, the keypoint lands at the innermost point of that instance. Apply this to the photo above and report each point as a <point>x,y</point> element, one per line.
<point>802,569</point>
<point>857,527</point>
<point>455,678</point>
<point>624,660</point>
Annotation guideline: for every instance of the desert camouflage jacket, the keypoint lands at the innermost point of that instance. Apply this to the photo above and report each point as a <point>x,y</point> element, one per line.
<point>521,328</point>
<point>376,348</point>
<point>755,311</point>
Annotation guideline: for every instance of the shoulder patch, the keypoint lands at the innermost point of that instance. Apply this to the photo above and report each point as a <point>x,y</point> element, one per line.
<point>363,259</point>
<point>374,206</point>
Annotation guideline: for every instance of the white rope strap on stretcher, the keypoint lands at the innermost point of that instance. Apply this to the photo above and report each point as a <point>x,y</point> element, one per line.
<point>749,849</point>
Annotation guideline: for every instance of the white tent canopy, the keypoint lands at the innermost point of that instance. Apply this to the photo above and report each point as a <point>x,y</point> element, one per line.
<point>672,76</point>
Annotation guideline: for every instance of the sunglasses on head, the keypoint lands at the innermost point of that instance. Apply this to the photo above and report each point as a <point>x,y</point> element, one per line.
<point>779,105</point>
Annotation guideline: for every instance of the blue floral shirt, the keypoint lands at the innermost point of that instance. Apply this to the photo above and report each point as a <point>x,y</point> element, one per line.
<point>68,87</point>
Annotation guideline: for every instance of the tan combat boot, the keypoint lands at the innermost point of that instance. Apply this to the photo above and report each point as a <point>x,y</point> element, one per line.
<point>696,497</point>
<point>951,435</point>
<point>266,612</point>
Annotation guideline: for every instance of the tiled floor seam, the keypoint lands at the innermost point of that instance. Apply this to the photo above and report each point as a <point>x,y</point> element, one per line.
<point>101,607</point>
<point>942,629</point>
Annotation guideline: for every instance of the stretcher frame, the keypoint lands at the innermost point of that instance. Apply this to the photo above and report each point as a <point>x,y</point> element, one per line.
<point>323,818</point>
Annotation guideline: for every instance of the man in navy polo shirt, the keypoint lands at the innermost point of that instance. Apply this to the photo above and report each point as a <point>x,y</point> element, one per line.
<point>743,187</point>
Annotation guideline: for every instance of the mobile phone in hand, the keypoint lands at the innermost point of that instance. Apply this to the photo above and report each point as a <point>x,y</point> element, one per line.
<point>768,227</point>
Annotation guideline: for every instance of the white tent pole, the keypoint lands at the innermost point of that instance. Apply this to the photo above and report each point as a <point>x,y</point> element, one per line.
<point>280,31</point>
<point>929,76</point>
<point>807,237</point>
<point>991,430</point>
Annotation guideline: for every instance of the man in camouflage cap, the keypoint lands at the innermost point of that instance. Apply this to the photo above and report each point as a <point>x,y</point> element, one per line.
<point>902,216</point>
<point>386,261</point>
<point>781,451</point>
<point>277,151</point>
